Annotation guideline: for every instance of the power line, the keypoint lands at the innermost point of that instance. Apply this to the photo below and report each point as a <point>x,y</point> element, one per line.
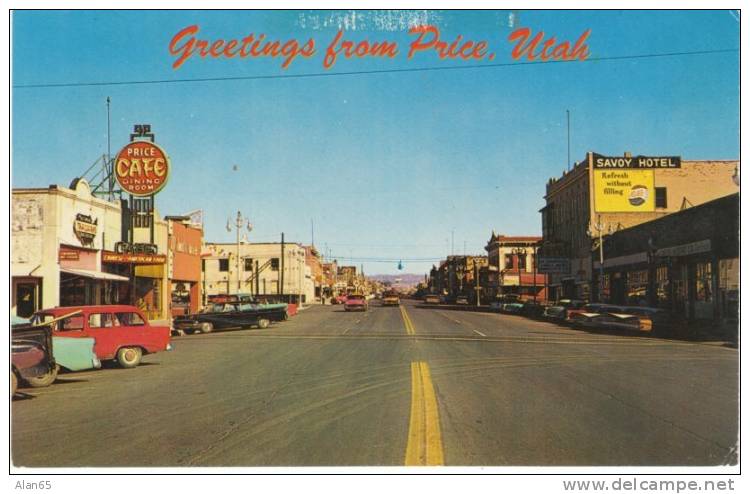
<point>370,72</point>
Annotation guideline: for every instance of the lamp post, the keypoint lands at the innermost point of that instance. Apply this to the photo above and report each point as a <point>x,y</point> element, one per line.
<point>239,221</point>
<point>517,251</point>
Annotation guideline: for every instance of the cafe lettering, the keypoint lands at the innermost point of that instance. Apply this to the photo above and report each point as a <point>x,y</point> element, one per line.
<point>142,168</point>
<point>637,162</point>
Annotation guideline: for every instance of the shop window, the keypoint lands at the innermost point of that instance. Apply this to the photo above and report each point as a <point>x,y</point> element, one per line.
<point>605,297</point>
<point>181,295</point>
<point>703,292</point>
<point>275,264</point>
<point>662,287</point>
<point>680,290</point>
<point>729,284</point>
<point>248,264</point>
<point>223,264</point>
<point>660,197</point>
<point>26,300</point>
<point>637,284</point>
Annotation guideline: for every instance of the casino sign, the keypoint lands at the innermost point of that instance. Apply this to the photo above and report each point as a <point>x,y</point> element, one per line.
<point>142,168</point>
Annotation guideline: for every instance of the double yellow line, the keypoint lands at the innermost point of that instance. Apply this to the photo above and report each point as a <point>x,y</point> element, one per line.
<point>407,322</point>
<point>425,444</point>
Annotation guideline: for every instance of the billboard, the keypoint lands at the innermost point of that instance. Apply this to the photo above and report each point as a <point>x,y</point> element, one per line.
<point>623,191</point>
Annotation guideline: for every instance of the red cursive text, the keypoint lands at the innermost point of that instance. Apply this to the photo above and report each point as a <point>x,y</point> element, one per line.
<point>547,50</point>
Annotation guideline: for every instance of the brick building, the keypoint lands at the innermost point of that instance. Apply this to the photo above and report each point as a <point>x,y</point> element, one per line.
<point>569,218</point>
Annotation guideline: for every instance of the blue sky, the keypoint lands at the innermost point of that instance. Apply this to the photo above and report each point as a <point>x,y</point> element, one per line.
<point>385,165</point>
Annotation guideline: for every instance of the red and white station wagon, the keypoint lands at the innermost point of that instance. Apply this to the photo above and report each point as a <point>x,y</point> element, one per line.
<point>121,332</point>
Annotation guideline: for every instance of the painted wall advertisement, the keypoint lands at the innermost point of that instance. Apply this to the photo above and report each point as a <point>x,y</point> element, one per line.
<point>623,191</point>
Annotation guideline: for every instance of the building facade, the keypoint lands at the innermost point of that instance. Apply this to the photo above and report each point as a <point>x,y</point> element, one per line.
<point>512,267</point>
<point>570,222</point>
<point>184,265</point>
<point>265,269</point>
<point>72,248</point>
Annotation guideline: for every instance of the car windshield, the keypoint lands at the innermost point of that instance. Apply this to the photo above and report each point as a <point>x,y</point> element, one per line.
<point>356,297</point>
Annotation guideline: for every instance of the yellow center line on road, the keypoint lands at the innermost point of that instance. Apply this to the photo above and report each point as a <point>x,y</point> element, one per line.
<point>407,322</point>
<point>424,446</point>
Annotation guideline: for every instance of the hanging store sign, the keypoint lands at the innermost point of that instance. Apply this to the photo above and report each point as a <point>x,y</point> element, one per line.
<point>142,168</point>
<point>114,257</point>
<point>636,162</point>
<point>623,191</point>
<point>84,228</point>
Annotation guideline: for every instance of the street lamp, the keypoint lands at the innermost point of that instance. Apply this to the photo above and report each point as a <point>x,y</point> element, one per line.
<point>592,230</point>
<point>517,251</point>
<point>238,223</point>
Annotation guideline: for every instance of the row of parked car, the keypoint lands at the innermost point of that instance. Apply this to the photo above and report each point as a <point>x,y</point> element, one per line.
<point>80,338</point>
<point>581,314</point>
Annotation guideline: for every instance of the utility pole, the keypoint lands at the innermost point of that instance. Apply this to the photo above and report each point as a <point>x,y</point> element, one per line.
<point>476,279</point>
<point>599,227</point>
<point>534,261</point>
<point>108,167</point>
<point>281,267</point>
<point>567,112</point>
<point>257,278</point>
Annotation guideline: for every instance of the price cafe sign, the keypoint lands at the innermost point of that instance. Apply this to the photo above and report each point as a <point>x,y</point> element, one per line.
<point>142,168</point>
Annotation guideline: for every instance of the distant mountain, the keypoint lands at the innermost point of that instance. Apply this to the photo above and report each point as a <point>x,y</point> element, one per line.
<point>405,279</point>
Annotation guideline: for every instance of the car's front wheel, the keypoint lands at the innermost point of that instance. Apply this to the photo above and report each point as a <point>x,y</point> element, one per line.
<point>129,357</point>
<point>44,380</point>
<point>207,327</point>
<point>263,323</point>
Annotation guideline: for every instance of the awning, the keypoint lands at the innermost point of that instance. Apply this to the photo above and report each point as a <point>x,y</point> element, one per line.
<point>98,275</point>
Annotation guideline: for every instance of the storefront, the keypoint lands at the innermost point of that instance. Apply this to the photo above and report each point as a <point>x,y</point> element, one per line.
<point>82,283</point>
<point>184,265</point>
<point>146,281</point>
<point>686,263</point>
<point>57,237</point>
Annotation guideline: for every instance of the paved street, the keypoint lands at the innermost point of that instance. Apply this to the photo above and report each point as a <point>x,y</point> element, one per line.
<point>392,386</point>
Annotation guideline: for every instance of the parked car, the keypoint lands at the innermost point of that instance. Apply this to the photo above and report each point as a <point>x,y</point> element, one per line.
<point>72,354</point>
<point>559,310</point>
<point>607,321</point>
<point>532,309</point>
<point>462,300</point>
<point>497,304</point>
<point>32,361</point>
<point>511,308</point>
<point>432,299</point>
<point>594,308</point>
<point>652,319</point>
<point>231,315</point>
<point>120,332</point>
<point>355,302</point>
